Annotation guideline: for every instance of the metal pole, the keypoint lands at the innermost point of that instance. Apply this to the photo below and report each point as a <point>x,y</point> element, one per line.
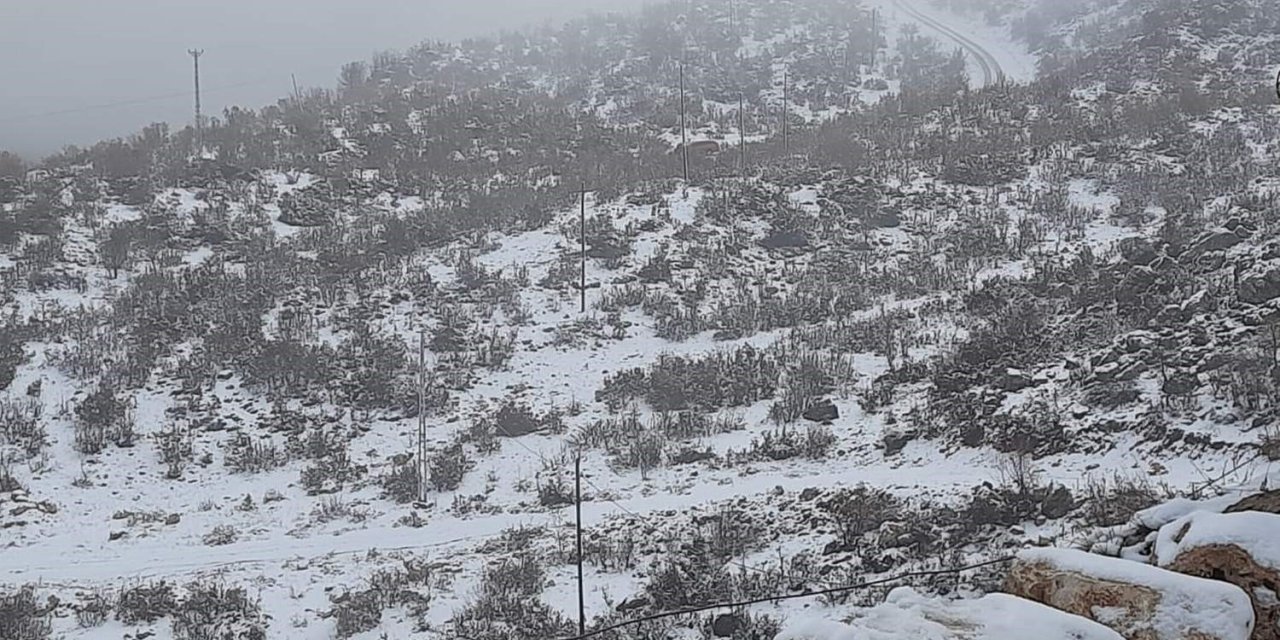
<point>422,416</point>
<point>875,40</point>
<point>195,56</point>
<point>577,495</point>
<point>584,248</point>
<point>742,136</point>
<point>684,136</point>
<point>786,101</point>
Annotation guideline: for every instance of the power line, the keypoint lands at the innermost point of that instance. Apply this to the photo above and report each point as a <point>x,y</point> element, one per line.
<point>791,596</point>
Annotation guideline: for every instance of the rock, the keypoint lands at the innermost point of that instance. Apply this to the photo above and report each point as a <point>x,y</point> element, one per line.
<point>1267,502</point>
<point>1137,251</point>
<point>1139,601</point>
<point>1220,240</point>
<point>631,604</point>
<point>785,240</point>
<point>810,493</point>
<point>116,535</point>
<point>1259,283</point>
<point>1014,380</point>
<point>726,625</point>
<point>1180,383</point>
<point>172,519</point>
<point>906,613</point>
<point>1240,548</point>
<point>822,411</point>
<point>895,441</point>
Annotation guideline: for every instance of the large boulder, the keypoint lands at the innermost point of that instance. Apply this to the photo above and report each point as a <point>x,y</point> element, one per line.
<point>1139,601</point>
<point>1267,502</point>
<point>1260,283</point>
<point>1219,240</point>
<point>908,614</point>
<point>1241,548</point>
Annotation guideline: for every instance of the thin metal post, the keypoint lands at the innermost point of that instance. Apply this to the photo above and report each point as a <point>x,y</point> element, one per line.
<point>742,136</point>
<point>684,132</point>
<point>422,416</point>
<point>584,248</point>
<point>786,106</point>
<point>577,495</point>
<point>195,57</point>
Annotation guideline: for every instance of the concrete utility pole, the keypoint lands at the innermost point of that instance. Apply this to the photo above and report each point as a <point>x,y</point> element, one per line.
<point>195,58</point>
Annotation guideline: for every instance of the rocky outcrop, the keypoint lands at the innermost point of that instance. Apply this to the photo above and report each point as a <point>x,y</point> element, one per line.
<point>1240,548</point>
<point>1139,601</point>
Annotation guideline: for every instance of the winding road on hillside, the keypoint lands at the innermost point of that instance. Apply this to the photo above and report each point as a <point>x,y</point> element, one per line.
<point>991,70</point>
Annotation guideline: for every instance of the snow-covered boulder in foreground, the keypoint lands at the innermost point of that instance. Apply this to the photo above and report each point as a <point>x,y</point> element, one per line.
<point>1140,601</point>
<point>1241,548</point>
<point>907,614</point>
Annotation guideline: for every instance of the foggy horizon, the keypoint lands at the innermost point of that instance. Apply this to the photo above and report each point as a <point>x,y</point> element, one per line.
<point>113,72</point>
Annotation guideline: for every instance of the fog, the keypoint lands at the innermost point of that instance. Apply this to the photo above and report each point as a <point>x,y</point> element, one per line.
<point>78,71</point>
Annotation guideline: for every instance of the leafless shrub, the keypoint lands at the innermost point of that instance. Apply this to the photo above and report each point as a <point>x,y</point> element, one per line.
<point>20,425</point>
<point>446,468</point>
<point>212,611</point>
<point>245,454</point>
<point>401,483</point>
<point>222,534</point>
<point>146,603</point>
<point>21,618</point>
<point>1108,502</point>
<point>175,448</point>
<point>94,609</point>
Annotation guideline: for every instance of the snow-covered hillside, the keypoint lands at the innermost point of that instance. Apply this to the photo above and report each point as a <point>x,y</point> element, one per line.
<point>943,317</point>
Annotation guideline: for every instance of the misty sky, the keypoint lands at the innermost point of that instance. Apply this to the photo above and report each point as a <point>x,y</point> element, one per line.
<point>60,55</point>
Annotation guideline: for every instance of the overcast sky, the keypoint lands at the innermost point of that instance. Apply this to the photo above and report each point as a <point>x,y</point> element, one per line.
<point>64,55</point>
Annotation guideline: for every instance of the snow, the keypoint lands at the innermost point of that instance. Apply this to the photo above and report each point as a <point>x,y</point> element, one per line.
<point>908,614</point>
<point>1166,512</point>
<point>1185,603</point>
<point>1256,532</point>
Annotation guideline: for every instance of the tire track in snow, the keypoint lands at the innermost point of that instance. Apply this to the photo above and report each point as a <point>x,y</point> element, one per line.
<point>991,70</point>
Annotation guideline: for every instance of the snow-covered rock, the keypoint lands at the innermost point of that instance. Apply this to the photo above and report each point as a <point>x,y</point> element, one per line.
<point>1140,601</point>
<point>908,614</point>
<point>1240,548</point>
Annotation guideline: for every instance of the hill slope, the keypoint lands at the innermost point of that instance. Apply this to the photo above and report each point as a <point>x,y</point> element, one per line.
<point>926,325</point>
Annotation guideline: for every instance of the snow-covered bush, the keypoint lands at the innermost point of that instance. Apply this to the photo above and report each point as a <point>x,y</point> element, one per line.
<point>212,611</point>
<point>220,535</point>
<point>146,603</point>
<point>21,618</point>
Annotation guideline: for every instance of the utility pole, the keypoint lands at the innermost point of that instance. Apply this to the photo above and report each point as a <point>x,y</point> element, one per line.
<point>195,58</point>
<point>296,96</point>
<point>786,106</point>
<point>583,233</point>
<point>875,34</point>
<point>742,136</point>
<point>577,500</point>
<point>684,132</point>
<point>422,416</point>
